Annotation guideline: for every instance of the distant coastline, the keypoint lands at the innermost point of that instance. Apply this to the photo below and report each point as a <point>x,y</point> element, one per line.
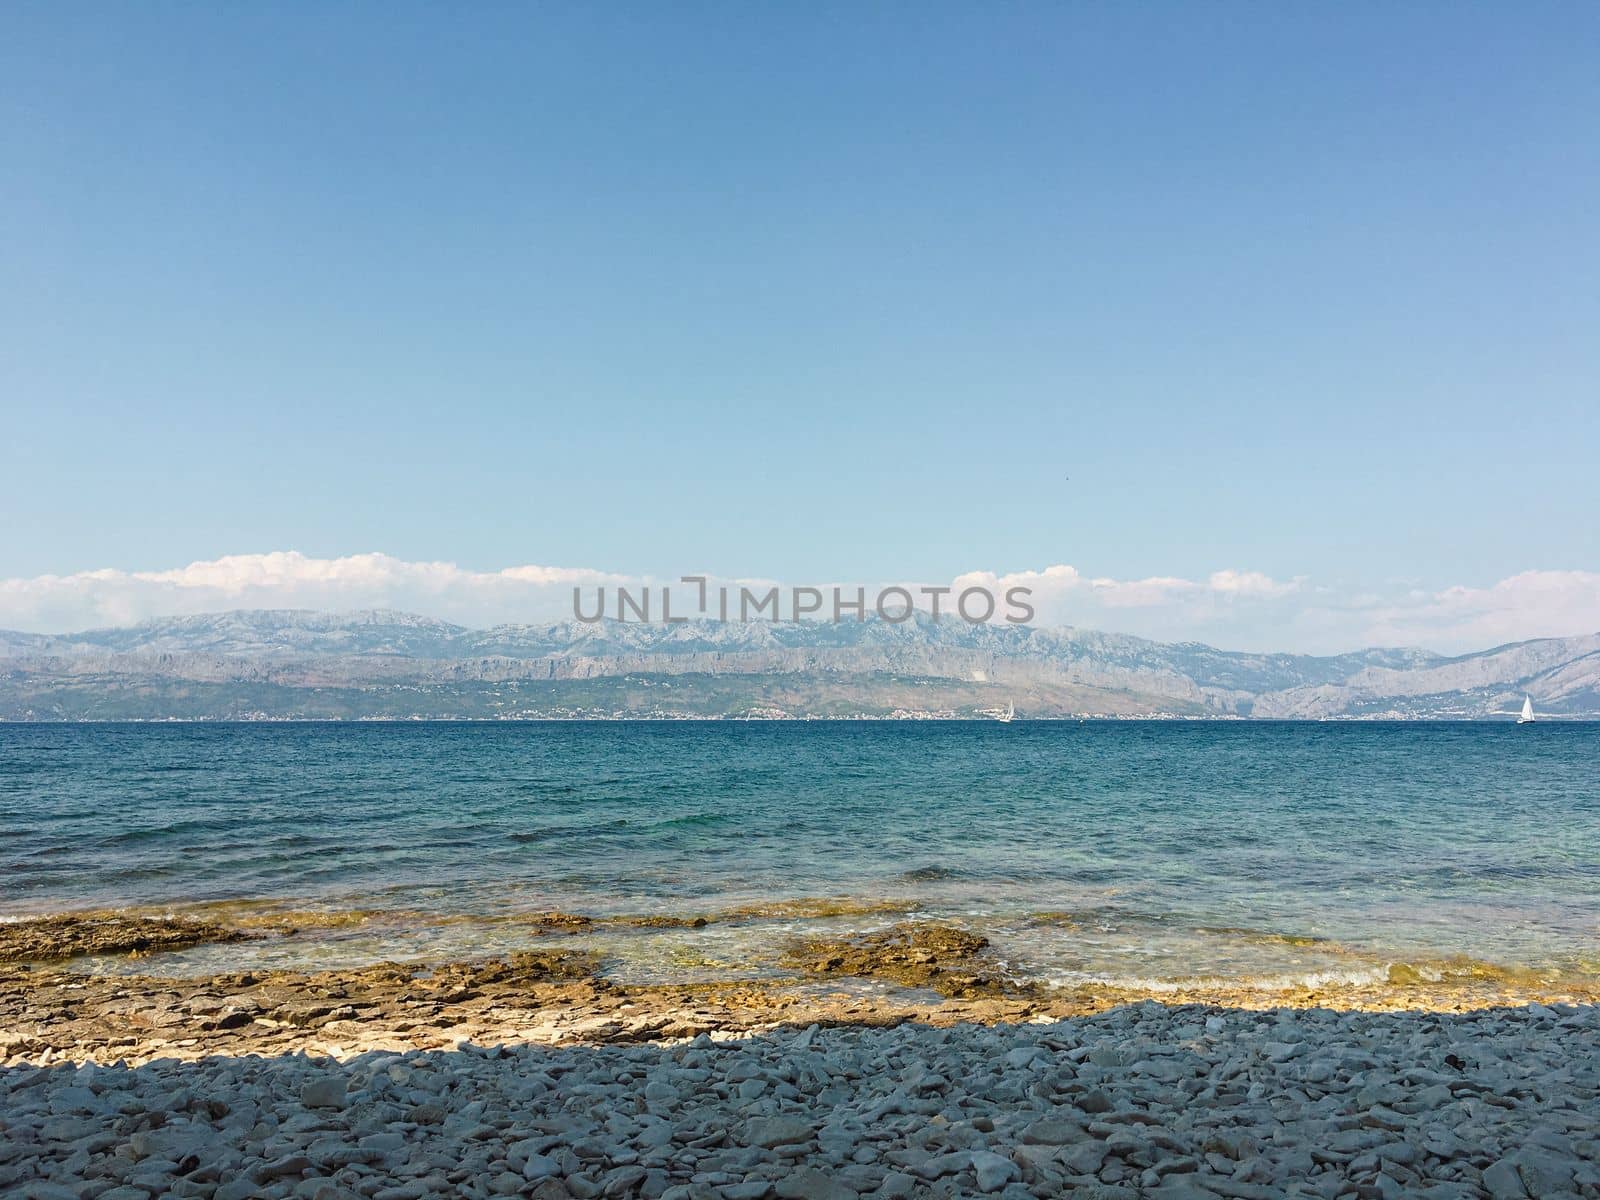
<point>669,719</point>
<point>258,665</point>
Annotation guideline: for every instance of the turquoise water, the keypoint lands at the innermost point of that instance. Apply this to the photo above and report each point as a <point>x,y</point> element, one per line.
<point>1135,851</point>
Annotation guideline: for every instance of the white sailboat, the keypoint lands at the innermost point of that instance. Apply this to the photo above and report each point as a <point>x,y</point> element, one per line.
<point>1010,712</point>
<point>1525,717</point>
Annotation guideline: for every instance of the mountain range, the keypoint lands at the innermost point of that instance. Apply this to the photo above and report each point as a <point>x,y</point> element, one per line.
<point>381,664</point>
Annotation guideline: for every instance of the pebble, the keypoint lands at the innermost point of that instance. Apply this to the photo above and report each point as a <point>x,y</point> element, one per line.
<point>326,1092</point>
<point>776,1131</point>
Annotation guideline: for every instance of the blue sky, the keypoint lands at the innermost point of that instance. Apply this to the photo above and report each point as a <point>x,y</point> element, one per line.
<point>806,292</point>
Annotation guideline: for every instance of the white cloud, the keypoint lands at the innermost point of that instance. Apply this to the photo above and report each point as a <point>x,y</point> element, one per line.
<point>1530,604</point>
<point>1142,593</point>
<point>289,579</point>
<point>1250,583</point>
<point>1249,610</point>
<point>1231,607</point>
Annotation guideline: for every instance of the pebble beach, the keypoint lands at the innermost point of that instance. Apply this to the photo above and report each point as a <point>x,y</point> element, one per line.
<point>1144,1100</point>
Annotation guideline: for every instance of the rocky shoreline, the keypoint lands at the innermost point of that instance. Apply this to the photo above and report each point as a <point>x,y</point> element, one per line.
<point>898,1062</point>
<point>54,1007</point>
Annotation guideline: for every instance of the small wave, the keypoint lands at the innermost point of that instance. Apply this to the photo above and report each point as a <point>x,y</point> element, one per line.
<point>1103,918</point>
<point>53,851</point>
<point>180,833</point>
<point>1267,937</point>
<point>814,907</point>
<point>523,837</point>
<point>692,821</point>
<point>1299,981</point>
<point>1462,969</point>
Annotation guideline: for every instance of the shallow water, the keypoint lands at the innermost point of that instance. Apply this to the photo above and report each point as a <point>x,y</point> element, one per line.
<point>1144,852</point>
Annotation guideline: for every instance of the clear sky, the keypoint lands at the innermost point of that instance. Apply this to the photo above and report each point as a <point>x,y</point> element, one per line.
<point>814,291</point>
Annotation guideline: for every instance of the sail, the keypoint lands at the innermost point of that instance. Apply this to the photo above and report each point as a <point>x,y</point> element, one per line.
<point>1527,709</point>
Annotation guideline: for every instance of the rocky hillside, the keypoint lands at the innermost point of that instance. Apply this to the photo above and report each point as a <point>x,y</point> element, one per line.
<point>393,664</point>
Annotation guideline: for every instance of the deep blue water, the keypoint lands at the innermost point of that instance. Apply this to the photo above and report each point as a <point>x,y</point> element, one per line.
<point>1173,845</point>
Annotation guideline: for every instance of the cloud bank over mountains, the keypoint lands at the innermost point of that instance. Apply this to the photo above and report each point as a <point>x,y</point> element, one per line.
<point>1231,607</point>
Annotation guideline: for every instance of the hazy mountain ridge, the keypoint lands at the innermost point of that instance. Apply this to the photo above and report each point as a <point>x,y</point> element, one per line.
<point>1561,674</point>
<point>948,666</point>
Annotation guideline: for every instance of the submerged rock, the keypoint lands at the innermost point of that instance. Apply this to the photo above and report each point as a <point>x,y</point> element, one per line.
<point>68,935</point>
<point>947,959</point>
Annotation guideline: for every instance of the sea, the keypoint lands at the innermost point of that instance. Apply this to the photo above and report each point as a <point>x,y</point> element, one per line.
<point>1140,853</point>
